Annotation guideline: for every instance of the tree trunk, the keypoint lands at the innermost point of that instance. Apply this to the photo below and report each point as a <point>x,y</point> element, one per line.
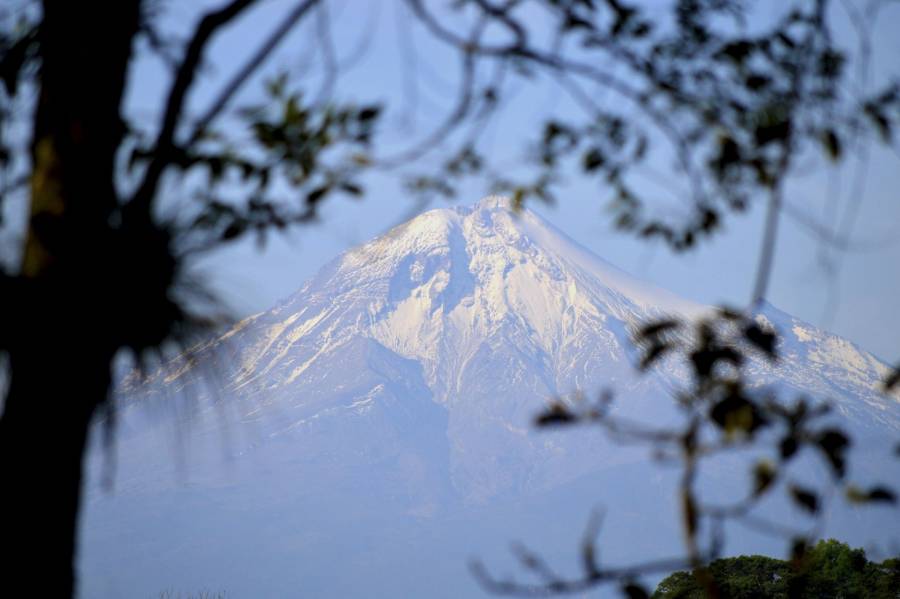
<point>42,439</point>
<point>62,336</point>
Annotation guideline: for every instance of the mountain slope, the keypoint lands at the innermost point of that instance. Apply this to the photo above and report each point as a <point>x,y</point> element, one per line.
<point>395,391</point>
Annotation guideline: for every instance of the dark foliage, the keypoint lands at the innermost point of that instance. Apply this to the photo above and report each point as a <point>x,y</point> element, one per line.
<point>830,569</point>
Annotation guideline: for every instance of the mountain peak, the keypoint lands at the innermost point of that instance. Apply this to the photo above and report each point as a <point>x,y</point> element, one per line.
<point>456,289</point>
<point>453,283</point>
<point>401,384</point>
<point>494,202</point>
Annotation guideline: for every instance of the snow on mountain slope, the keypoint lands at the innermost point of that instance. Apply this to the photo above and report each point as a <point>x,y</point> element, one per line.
<point>438,287</point>
<point>456,283</point>
<point>492,312</point>
<point>399,385</point>
<point>826,366</point>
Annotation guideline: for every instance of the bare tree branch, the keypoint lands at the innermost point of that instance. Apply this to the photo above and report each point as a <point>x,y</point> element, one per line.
<point>252,64</point>
<point>209,25</point>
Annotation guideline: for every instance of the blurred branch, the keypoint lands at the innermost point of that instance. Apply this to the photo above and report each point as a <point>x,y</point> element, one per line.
<point>209,25</point>
<point>456,116</point>
<point>250,67</point>
<point>560,586</point>
<point>326,40</point>
<point>721,413</point>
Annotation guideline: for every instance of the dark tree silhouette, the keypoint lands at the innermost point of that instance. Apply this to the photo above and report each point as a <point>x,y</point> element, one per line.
<point>732,105</point>
<point>832,569</point>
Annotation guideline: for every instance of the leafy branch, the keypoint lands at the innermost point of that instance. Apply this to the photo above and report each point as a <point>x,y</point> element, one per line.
<point>720,414</point>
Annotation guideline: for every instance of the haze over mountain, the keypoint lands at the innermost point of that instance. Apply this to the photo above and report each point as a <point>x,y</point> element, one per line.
<point>372,431</point>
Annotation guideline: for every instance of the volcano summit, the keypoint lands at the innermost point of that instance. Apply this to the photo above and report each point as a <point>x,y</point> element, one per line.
<point>372,431</point>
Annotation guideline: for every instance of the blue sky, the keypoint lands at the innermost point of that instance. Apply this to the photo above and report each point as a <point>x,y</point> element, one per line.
<point>853,292</point>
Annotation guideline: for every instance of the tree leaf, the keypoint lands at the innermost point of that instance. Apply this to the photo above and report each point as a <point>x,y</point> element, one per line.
<point>633,590</point>
<point>593,159</point>
<point>882,124</point>
<point>763,476</point>
<point>736,413</point>
<point>805,498</point>
<point>351,188</point>
<point>832,144</point>
<point>557,413</point>
<point>788,447</point>
<point>882,494</point>
<point>892,379</point>
<point>316,195</point>
<point>655,328</point>
<point>654,353</point>
<point>762,339</point>
<point>834,444</point>
<point>878,494</point>
<point>369,113</point>
<point>234,229</point>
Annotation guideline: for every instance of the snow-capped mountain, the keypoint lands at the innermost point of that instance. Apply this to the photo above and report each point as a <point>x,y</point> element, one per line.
<point>406,375</point>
